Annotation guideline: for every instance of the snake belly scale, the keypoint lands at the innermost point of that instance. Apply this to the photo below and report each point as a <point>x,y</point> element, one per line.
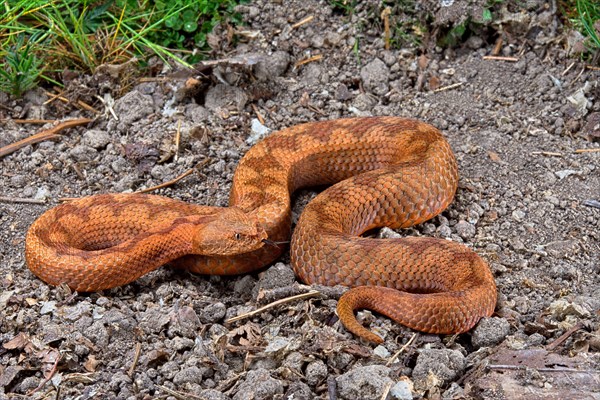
<point>385,171</point>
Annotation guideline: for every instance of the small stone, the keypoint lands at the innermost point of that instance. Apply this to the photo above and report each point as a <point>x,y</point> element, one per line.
<point>518,215</point>
<point>258,385</point>
<point>272,66</point>
<point>381,351</point>
<point>401,390</point>
<point>445,231</point>
<point>213,394</point>
<point>96,138</point>
<point>364,102</point>
<point>83,153</point>
<point>48,307</point>
<point>299,391</point>
<point>490,332</point>
<point>560,309</point>
<point>187,322</point>
<point>243,287</point>
<point>188,375</point>
<point>375,76</point>
<point>153,319</point>
<point>465,230</point>
<point>259,131</point>
<point>212,313</point>
<point>222,96</point>
<point>366,383</point>
<point>436,368</point>
<point>133,107</point>
<point>316,373</point>
<point>279,275</point>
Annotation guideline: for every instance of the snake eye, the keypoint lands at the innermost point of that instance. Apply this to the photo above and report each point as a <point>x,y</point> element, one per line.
<point>237,236</point>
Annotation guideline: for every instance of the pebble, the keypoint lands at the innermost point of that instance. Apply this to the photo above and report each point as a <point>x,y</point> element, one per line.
<point>188,375</point>
<point>133,107</point>
<point>259,384</point>
<point>436,368</point>
<point>279,275</point>
<point>272,66</point>
<point>365,383</point>
<point>316,373</point>
<point>401,390</point>
<point>489,332</point>
<point>212,313</point>
<point>465,230</point>
<point>222,96</point>
<point>96,138</point>
<point>375,76</point>
<point>299,391</point>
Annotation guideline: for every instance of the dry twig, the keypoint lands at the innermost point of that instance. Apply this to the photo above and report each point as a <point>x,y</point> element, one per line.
<point>7,199</point>
<point>303,21</point>
<point>393,358</point>
<point>49,134</point>
<point>308,60</point>
<point>546,153</point>
<point>312,293</point>
<point>564,336</point>
<point>501,58</point>
<point>136,357</point>
<point>168,183</point>
<point>454,85</point>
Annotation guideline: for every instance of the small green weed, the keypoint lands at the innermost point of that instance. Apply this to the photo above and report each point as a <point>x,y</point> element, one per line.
<point>588,21</point>
<point>20,68</point>
<point>84,34</point>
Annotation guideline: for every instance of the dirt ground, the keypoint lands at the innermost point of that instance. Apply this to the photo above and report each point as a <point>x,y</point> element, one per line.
<point>525,132</point>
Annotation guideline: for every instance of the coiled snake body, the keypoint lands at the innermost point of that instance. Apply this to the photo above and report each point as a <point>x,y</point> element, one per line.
<point>394,172</point>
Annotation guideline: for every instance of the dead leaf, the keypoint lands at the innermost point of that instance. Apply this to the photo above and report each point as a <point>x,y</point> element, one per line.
<point>91,363</point>
<point>18,342</point>
<point>495,157</point>
<point>246,335</point>
<point>434,83</point>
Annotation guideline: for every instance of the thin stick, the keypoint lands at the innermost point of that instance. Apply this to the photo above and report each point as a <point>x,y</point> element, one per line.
<point>501,58</point>
<point>386,390</point>
<point>29,121</point>
<point>385,16</point>
<point>308,60</point>
<point>587,150</point>
<point>258,114</point>
<point>312,293</point>
<point>303,21</point>
<point>168,183</point>
<point>454,85</point>
<point>393,358</point>
<point>52,133</point>
<point>50,375</point>
<point>177,140</point>
<point>564,336</point>
<point>497,47</point>
<point>522,367</point>
<point>592,67</point>
<point>136,357</point>
<point>180,395</point>
<point>6,199</point>
<point>546,153</point>
<point>568,68</point>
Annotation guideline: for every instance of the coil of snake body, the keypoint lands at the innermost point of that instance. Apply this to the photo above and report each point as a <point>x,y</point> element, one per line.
<point>391,171</point>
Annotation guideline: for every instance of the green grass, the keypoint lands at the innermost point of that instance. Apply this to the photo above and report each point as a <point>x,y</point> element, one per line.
<point>43,37</point>
<point>587,21</point>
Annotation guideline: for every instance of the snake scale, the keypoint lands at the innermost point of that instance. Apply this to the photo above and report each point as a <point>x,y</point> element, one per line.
<point>393,172</point>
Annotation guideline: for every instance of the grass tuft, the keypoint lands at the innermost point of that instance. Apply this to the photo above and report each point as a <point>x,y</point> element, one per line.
<point>84,34</point>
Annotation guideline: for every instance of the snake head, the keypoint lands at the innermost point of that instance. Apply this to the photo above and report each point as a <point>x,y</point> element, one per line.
<point>229,232</point>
